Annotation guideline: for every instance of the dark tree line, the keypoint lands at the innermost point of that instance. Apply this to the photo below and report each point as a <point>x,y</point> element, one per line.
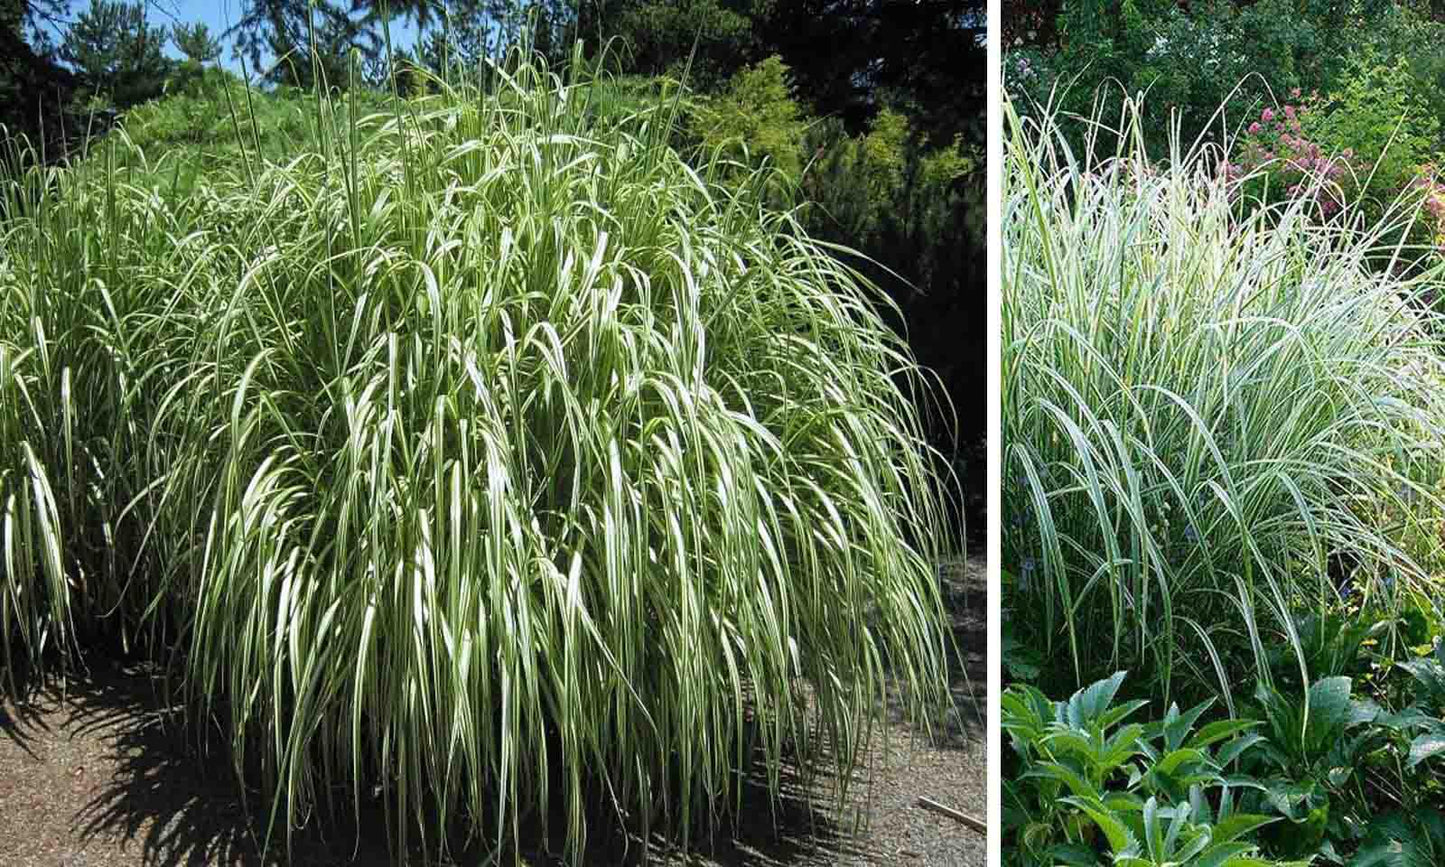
<point>847,57</point>
<point>33,86</point>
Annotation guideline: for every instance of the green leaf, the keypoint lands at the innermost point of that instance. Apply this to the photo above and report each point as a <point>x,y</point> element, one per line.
<point>1219,730</point>
<point>1424,747</point>
<point>1237,747</point>
<point>1329,704</point>
<point>1073,854</point>
<point>1222,854</point>
<point>1088,704</point>
<point>1066,775</point>
<point>1171,763</point>
<point>1120,838</point>
<point>1239,824</point>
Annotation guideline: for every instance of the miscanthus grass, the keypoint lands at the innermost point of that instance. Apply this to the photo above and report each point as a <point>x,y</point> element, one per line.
<point>482,453</point>
<point>76,372</point>
<point>1208,408</point>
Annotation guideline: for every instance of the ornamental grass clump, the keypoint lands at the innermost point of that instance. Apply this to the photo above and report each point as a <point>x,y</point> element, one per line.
<point>1207,409</point>
<point>79,294</point>
<point>489,456</point>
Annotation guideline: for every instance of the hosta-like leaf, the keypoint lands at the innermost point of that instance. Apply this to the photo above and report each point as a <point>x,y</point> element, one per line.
<point>1115,830</point>
<point>1219,730</point>
<point>1236,748</point>
<point>1071,779</point>
<point>1329,705</point>
<point>1221,854</point>
<point>1424,747</point>
<point>1171,763</point>
<point>1239,824</point>
<point>1084,708</point>
<point>1176,725</point>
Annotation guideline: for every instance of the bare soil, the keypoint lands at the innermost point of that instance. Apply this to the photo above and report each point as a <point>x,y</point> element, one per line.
<point>94,773</point>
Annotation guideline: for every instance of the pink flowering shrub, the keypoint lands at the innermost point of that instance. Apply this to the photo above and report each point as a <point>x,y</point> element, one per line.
<point>1277,159</point>
<point>1366,145</point>
<point>1431,184</point>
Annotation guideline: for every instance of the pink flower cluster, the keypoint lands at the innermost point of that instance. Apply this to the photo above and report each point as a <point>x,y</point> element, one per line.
<point>1431,183</point>
<point>1276,149</point>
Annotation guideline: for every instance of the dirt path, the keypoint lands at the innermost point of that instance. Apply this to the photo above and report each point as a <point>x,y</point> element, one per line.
<point>90,776</point>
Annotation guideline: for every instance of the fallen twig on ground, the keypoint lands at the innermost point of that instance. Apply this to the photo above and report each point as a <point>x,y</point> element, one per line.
<point>934,806</point>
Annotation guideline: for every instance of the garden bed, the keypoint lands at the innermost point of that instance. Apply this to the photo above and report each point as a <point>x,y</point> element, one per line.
<point>91,774</point>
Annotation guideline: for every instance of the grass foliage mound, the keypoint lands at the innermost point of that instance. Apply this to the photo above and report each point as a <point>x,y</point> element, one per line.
<point>482,450</point>
<point>1214,415</point>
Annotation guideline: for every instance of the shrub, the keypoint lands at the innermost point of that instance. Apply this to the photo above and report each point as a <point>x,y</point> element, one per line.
<point>1379,114</point>
<point>212,120</point>
<point>1281,162</point>
<point>1407,35</point>
<point>1430,185</point>
<point>1027,77</point>
<point>857,186</point>
<point>1366,145</point>
<point>705,36</point>
<point>1192,58</point>
<point>897,198</point>
<point>756,117</point>
<point>1201,413</point>
<point>481,453</point>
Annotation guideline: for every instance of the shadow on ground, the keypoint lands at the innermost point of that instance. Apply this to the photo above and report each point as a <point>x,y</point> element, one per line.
<point>965,596</point>
<point>963,587</point>
<point>121,782</point>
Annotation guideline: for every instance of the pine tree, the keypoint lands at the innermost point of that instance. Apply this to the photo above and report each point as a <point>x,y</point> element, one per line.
<point>196,43</point>
<point>118,55</point>
<point>33,86</point>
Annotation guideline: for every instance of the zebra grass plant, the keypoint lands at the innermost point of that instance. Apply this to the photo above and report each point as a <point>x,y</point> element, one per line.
<point>484,451</point>
<point>1208,407</point>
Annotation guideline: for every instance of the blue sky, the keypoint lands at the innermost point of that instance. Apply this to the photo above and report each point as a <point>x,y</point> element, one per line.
<point>219,16</point>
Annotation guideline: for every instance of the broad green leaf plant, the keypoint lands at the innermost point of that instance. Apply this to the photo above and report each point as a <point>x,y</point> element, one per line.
<point>1087,785</point>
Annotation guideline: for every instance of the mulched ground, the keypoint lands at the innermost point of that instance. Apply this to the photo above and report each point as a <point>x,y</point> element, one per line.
<point>93,775</point>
